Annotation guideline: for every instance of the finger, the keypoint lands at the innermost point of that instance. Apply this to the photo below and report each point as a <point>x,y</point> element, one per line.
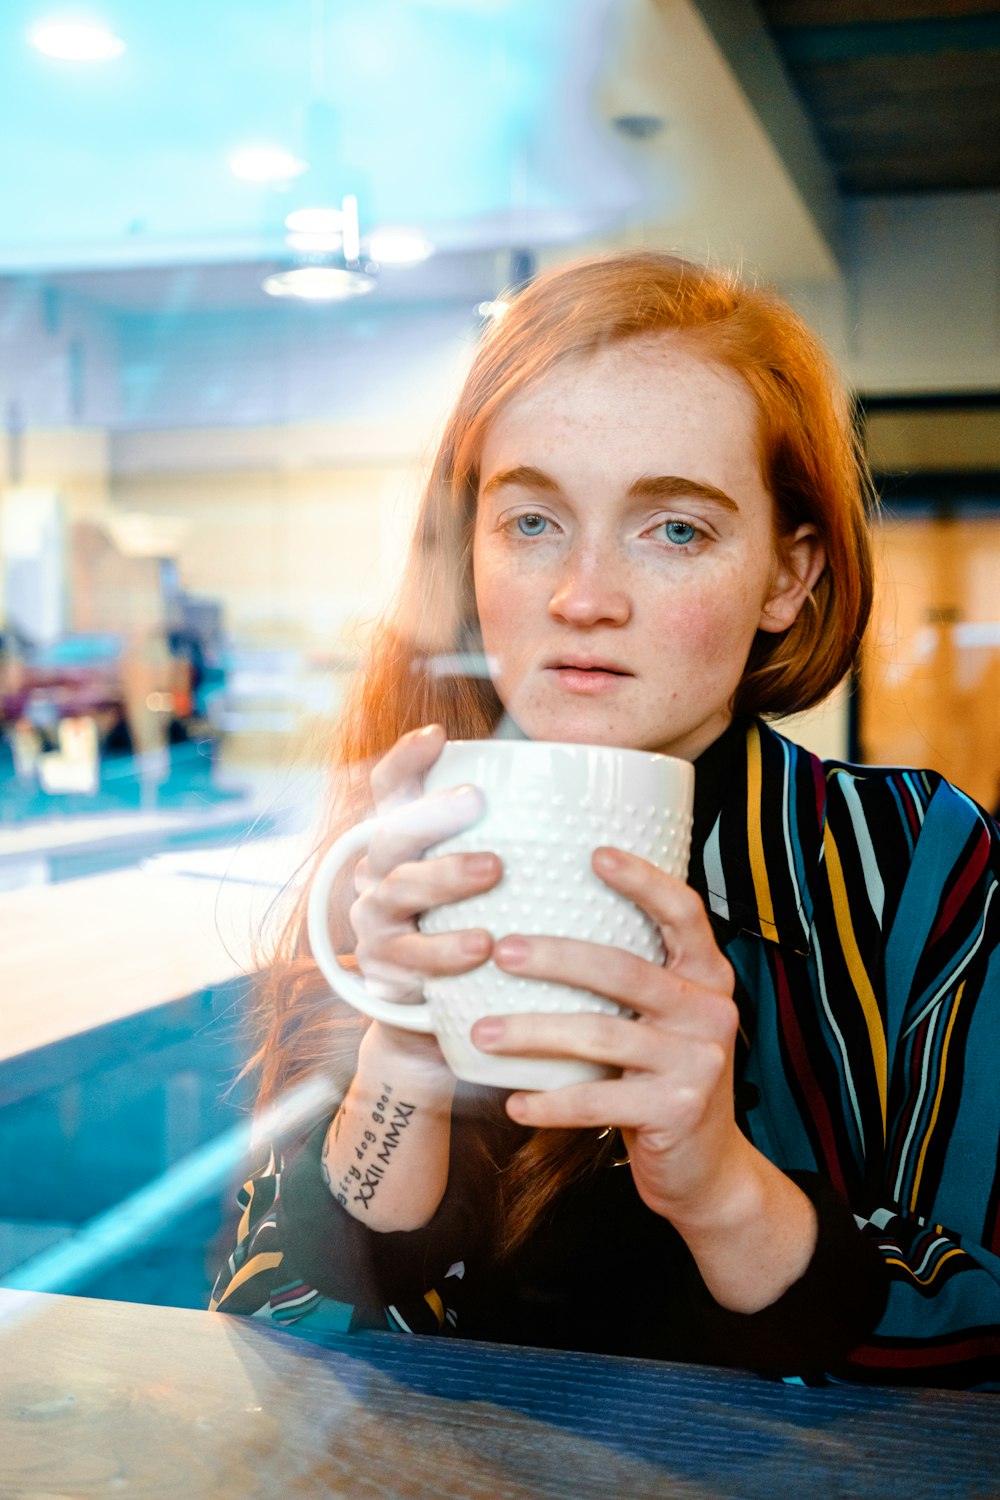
<point>420,885</point>
<point>411,957</point>
<point>398,777</point>
<point>634,982</point>
<point>635,1102</point>
<point>676,908</point>
<point>619,1041</point>
<point>405,833</point>
<point>591,1036</point>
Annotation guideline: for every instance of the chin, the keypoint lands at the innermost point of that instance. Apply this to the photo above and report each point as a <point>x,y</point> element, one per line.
<point>579,730</point>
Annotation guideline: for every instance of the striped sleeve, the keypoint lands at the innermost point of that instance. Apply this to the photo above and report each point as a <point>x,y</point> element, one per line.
<point>252,1275</point>
<point>301,1259</point>
<point>910,1010</point>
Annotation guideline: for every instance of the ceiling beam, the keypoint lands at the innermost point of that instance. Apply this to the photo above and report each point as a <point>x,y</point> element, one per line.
<point>742,36</point>
<point>925,38</point>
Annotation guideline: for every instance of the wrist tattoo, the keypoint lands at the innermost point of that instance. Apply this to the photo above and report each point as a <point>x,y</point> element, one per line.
<point>373,1151</point>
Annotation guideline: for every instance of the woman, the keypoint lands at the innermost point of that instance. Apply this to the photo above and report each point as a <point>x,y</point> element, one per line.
<point>647,515</point>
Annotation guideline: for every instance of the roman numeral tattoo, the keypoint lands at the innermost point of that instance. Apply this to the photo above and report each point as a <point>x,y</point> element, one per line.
<point>373,1151</point>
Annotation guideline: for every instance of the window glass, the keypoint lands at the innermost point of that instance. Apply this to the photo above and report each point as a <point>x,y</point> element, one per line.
<point>245,255</point>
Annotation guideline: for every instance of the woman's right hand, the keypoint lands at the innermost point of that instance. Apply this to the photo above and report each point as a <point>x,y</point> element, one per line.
<point>394,884</point>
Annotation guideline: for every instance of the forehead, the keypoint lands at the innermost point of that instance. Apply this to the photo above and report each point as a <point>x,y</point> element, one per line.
<point>657,401</point>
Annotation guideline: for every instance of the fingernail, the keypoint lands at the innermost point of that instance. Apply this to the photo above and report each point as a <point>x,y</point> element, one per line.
<point>607,859</point>
<point>480,865</point>
<point>517,1105</point>
<point>475,943</point>
<point>511,950</point>
<point>487,1031</point>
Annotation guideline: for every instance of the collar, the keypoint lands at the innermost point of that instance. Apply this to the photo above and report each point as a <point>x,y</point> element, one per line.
<point>760,812</point>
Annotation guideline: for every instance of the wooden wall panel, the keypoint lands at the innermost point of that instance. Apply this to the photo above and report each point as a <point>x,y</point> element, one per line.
<point>931,680</point>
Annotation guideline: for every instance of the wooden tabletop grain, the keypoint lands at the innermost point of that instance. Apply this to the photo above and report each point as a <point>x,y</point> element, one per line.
<point>103,1398</point>
<point>112,1399</point>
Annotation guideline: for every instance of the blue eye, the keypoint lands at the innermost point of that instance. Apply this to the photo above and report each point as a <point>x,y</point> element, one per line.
<point>536,524</point>
<point>681,533</point>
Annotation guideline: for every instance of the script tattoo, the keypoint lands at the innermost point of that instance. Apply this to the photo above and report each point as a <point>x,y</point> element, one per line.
<point>360,1182</point>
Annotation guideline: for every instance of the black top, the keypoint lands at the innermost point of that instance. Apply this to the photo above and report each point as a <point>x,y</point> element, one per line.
<point>602,1272</point>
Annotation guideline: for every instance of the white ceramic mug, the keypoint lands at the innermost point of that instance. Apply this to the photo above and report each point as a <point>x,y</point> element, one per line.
<point>548,807</point>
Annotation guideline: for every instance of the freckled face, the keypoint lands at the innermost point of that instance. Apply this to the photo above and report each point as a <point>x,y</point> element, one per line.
<point>624,549</point>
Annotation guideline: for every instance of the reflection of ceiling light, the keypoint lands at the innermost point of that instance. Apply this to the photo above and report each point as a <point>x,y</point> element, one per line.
<point>494,309</point>
<point>319,283</point>
<point>320,221</point>
<point>314,244</point>
<point>315,231</point>
<point>399,247</point>
<point>266,164</point>
<point>352,234</point>
<point>76,41</point>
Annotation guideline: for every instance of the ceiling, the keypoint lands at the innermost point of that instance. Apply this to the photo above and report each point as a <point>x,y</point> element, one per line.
<point>468,118</point>
<point>904,95</point>
<point>491,125</point>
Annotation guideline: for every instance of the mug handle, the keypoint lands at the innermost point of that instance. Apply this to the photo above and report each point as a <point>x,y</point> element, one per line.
<point>345,984</point>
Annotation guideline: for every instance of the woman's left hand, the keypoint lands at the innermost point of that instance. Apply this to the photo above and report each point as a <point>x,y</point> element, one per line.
<point>673,1102</point>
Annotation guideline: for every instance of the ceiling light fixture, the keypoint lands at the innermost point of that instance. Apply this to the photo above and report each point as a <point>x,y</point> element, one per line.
<point>319,283</point>
<point>76,41</point>
<point>399,247</point>
<point>329,242</point>
<point>317,221</point>
<point>315,244</point>
<point>351,230</point>
<point>315,231</point>
<point>266,164</point>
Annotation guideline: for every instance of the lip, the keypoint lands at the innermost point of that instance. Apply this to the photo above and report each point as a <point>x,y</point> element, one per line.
<point>587,664</point>
<point>588,677</point>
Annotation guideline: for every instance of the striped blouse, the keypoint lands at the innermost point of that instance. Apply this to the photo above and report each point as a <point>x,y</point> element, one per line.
<point>857,908</point>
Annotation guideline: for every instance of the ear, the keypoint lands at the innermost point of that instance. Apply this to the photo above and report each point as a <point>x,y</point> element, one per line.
<point>799,561</point>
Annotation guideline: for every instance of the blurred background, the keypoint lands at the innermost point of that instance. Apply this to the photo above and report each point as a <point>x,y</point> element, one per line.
<point>246,251</point>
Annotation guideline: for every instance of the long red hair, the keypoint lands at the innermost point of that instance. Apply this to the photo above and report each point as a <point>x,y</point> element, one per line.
<point>812,465</point>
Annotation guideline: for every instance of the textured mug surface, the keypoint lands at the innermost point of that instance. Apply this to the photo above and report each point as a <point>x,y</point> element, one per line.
<point>548,807</point>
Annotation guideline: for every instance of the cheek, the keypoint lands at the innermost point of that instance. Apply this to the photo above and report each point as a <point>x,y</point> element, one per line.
<point>484,589</point>
<point>501,611</point>
<point>714,626</point>
<point>507,597</point>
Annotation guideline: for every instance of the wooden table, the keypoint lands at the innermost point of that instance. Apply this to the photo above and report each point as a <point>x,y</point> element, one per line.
<point>109,1399</point>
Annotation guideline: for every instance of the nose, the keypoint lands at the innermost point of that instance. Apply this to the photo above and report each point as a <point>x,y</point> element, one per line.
<point>590,592</point>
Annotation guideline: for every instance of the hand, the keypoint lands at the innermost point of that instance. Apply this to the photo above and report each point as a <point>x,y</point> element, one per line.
<point>394,884</point>
<point>750,1229</point>
<point>673,1102</point>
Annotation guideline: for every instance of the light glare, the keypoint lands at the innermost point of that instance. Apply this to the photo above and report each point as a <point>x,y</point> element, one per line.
<point>266,164</point>
<point>319,284</point>
<point>352,238</point>
<point>314,244</point>
<point>320,221</point>
<point>76,41</point>
<point>399,247</point>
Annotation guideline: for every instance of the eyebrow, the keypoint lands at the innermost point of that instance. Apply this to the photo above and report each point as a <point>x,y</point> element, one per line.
<point>648,487</point>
